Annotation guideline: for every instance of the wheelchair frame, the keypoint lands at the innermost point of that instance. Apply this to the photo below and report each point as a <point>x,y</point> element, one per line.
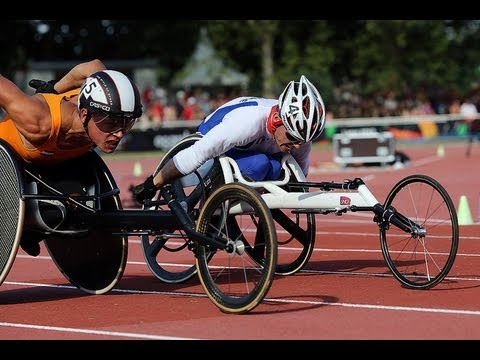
<point>418,216</point>
<point>101,211</point>
<point>353,195</point>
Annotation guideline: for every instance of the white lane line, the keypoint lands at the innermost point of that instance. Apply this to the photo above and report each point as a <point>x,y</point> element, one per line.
<point>365,274</point>
<point>93,332</point>
<point>128,291</point>
<point>284,301</point>
<point>426,160</point>
<point>381,307</point>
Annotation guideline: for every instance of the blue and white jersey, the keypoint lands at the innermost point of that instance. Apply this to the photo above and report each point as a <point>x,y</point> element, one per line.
<point>240,123</point>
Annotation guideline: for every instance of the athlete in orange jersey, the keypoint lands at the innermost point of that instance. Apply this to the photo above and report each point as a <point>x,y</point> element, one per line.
<point>89,107</point>
<point>46,129</point>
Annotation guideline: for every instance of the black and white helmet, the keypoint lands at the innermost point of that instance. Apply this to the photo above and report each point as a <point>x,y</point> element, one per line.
<point>112,93</point>
<point>302,110</point>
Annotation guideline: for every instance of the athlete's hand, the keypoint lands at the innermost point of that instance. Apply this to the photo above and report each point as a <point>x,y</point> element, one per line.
<point>145,190</point>
<point>41,86</point>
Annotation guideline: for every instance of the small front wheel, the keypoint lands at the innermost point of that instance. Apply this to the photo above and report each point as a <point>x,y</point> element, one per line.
<point>235,279</point>
<point>423,258</point>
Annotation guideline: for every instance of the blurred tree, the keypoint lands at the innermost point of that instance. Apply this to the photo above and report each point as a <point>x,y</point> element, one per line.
<point>464,50</point>
<point>307,49</point>
<point>236,43</point>
<point>14,54</point>
<point>378,55</point>
<point>43,40</point>
<point>273,52</point>
<point>402,54</point>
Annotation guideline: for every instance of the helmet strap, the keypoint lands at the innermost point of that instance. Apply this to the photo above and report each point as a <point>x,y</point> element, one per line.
<point>88,117</point>
<point>274,120</point>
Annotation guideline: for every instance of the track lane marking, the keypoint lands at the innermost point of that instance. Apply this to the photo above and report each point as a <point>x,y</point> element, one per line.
<point>93,332</point>
<point>284,301</point>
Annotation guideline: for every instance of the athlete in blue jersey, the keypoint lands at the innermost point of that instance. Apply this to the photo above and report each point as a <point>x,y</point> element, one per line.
<point>253,131</point>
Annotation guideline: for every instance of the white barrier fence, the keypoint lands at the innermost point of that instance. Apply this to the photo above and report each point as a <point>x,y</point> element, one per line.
<point>164,136</point>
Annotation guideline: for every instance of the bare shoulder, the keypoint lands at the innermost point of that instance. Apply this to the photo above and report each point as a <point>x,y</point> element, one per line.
<point>31,116</point>
<point>29,110</point>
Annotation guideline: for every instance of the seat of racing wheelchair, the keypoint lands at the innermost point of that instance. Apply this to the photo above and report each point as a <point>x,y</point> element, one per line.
<point>48,208</point>
<point>47,215</point>
<point>289,169</point>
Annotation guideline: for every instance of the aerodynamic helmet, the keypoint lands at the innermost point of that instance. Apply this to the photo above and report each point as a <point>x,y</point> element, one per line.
<point>112,93</point>
<point>302,110</point>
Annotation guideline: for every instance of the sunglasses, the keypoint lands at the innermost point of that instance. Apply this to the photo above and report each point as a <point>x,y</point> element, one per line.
<point>112,124</point>
<point>293,140</point>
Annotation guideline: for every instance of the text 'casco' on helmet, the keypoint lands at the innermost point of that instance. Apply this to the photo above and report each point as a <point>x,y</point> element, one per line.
<point>302,110</point>
<point>112,93</point>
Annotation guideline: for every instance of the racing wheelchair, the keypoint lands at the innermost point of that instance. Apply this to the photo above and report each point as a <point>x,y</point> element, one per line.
<point>417,222</point>
<point>76,210</point>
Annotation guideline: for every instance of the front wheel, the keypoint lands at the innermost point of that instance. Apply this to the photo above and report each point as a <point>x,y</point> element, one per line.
<point>237,279</point>
<point>420,260</point>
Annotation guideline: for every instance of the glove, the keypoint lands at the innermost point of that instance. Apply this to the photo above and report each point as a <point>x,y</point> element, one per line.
<point>41,86</point>
<point>145,190</point>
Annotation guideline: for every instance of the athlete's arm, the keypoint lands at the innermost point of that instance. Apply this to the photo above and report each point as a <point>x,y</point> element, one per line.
<point>167,174</point>
<point>149,187</point>
<point>75,77</point>
<point>30,114</point>
<point>217,141</point>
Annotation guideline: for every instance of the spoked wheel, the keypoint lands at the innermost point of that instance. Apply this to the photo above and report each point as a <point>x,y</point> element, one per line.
<point>238,278</point>
<point>167,253</point>
<point>421,259</point>
<point>296,237</point>
<point>296,232</point>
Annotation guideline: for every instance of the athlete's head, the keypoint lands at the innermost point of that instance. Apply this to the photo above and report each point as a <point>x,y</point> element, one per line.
<point>302,110</point>
<point>112,101</point>
<point>113,96</point>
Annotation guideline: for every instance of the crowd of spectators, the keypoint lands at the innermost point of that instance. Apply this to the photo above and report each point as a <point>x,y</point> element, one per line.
<point>349,104</point>
<point>187,105</point>
<point>162,106</point>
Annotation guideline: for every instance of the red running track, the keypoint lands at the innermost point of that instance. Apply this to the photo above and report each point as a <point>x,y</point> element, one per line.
<point>345,292</point>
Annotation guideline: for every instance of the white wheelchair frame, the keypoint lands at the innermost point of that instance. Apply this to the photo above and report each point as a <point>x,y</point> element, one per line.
<point>418,261</point>
<point>322,201</point>
<point>353,195</point>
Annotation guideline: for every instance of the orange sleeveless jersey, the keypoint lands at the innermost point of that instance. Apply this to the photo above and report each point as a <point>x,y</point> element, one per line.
<point>47,153</point>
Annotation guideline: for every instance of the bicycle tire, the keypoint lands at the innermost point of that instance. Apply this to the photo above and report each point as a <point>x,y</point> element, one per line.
<point>161,251</point>
<point>234,281</point>
<point>424,261</point>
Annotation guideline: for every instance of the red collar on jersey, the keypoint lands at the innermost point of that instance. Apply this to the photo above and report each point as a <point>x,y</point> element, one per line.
<point>273,120</point>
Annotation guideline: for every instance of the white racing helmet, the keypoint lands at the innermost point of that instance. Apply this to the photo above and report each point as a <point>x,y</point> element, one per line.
<point>112,93</point>
<point>302,110</point>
